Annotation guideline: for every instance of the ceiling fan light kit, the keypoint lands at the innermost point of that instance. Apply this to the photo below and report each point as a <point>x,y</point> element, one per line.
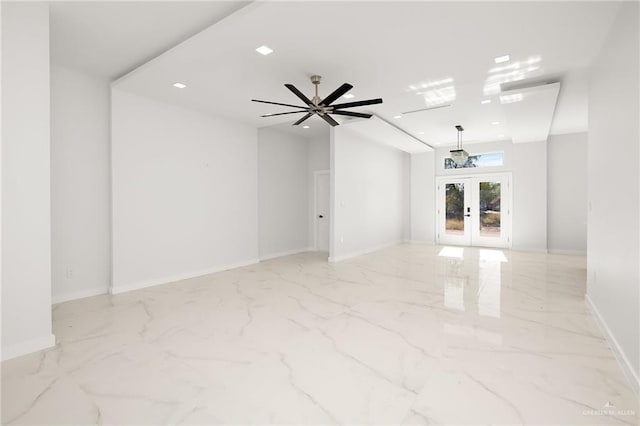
<point>459,155</point>
<point>323,108</point>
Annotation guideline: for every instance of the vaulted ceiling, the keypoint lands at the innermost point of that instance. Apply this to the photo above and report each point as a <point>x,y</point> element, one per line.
<point>412,54</point>
<point>111,38</point>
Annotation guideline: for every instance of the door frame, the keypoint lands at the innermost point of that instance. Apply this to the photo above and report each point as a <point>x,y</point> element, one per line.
<point>507,222</point>
<point>316,174</point>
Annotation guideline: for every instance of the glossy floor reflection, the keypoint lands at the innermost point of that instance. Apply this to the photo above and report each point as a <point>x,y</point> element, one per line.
<point>408,335</point>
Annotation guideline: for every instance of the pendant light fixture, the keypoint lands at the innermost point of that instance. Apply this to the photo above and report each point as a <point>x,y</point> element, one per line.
<point>459,155</point>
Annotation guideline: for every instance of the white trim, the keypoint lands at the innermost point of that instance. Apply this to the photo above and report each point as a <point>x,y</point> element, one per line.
<point>505,241</point>
<point>623,361</point>
<point>363,251</point>
<point>423,242</point>
<point>122,288</point>
<point>317,173</point>
<point>530,249</point>
<point>66,297</point>
<point>28,347</point>
<point>568,252</point>
<point>285,253</point>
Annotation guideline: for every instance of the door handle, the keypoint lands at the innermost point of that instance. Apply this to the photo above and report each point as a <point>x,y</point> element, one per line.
<point>467,215</point>
<point>320,216</point>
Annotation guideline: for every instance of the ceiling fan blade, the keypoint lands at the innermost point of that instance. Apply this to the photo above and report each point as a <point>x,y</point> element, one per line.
<point>278,103</point>
<point>299,94</point>
<point>336,94</point>
<point>353,114</point>
<point>329,120</point>
<point>302,119</point>
<point>283,113</point>
<point>358,103</point>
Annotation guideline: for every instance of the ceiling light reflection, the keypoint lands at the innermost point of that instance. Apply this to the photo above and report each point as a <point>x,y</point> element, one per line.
<point>515,71</point>
<point>509,99</point>
<point>435,92</point>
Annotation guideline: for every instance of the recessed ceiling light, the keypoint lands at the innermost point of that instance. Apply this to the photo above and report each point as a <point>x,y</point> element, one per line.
<point>305,127</point>
<point>397,116</point>
<point>495,123</point>
<point>348,96</point>
<point>486,101</point>
<point>264,50</point>
<point>501,59</point>
<point>422,133</point>
<point>501,135</point>
<point>179,85</point>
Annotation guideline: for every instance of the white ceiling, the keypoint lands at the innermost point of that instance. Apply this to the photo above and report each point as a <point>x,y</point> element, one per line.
<point>408,53</point>
<point>380,131</point>
<point>530,113</point>
<point>112,38</point>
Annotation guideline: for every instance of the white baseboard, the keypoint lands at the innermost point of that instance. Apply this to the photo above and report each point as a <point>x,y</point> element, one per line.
<point>423,242</point>
<point>286,253</point>
<point>66,297</point>
<point>568,252</point>
<point>530,250</point>
<point>122,288</point>
<point>28,347</point>
<point>368,250</point>
<point>625,364</point>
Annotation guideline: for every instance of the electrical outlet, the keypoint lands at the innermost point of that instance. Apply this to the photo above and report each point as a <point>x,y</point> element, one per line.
<point>69,273</point>
<point>341,240</point>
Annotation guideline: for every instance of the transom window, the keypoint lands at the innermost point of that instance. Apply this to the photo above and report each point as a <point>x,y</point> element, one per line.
<point>491,159</point>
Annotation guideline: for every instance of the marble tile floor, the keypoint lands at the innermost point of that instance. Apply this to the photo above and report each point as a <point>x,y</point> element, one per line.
<point>407,335</point>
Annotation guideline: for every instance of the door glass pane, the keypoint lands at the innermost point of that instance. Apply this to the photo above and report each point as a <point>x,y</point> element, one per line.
<point>490,209</point>
<point>454,207</point>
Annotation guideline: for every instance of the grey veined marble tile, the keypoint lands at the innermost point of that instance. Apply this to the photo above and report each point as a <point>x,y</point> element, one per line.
<point>406,335</point>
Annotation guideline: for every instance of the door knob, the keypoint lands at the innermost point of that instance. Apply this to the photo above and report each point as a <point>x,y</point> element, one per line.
<point>320,216</point>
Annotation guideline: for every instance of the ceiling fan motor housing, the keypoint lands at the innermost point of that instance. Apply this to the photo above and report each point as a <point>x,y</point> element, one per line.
<point>323,108</point>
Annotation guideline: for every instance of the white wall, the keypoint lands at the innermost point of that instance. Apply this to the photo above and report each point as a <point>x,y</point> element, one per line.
<point>527,163</point>
<point>567,193</point>
<point>423,216</point>
<point>26,208</point>
<point>80,204</point>
<point>283,193</point>
<point>529,210</point>
<point>184,192</point>
<point>406,198</point>
<point>368,183</point>
<point>613,189</point>
<point>318,160</point>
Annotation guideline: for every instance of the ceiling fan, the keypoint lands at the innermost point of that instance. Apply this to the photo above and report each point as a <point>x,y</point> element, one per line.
<point>322,107</point>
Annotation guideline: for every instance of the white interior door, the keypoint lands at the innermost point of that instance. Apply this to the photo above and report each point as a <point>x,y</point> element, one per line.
<point>321,213</point>
<point>475,210</point>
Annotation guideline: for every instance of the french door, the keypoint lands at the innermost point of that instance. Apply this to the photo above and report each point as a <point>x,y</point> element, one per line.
<point>474,211</point>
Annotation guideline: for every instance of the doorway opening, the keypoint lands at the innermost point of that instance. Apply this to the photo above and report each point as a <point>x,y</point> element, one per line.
<point>474,210</point>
